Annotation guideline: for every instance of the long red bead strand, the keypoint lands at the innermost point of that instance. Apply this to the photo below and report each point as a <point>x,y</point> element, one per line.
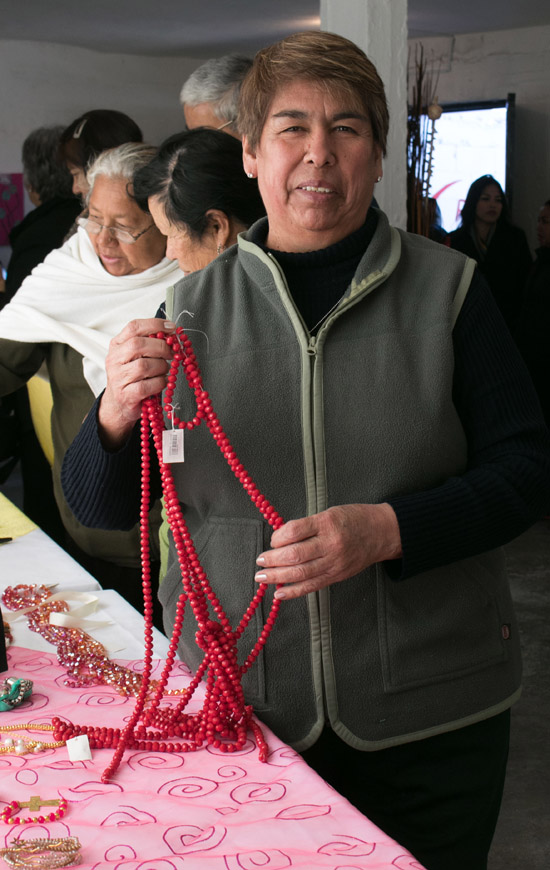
<point>224,719</point>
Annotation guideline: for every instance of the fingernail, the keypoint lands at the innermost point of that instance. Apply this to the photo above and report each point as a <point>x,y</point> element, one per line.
<point>260,578</point>
<point>260,560</point>
<point>169,325</point>
<point>280,594</point>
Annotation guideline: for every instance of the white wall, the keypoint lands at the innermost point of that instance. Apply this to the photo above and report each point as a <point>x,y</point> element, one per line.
<point>45,83</point>
<point>486,66</point>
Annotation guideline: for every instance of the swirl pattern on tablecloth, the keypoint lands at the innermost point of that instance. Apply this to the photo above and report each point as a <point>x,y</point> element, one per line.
<point>128,816</point>
<point>225,813</point>
<point>99,698</point>
<point>283,756</point>
<point>155,760</point>
<point>26,777</point>
<point>346,845</point>
<point>120,852</point>
<point>258,792</point>
<point>28,661</point>
<point>186,839</point>
<point>189,787</point>
<point>273,859</point>
<point>231,772</point>
<point>90,789</point>
<point>11,763</point>
<point>37,701</point>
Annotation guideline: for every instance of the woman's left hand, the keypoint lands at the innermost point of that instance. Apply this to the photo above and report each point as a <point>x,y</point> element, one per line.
<point>313,552</point>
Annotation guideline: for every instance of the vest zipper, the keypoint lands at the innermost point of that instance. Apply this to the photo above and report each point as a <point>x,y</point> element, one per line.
<point>312,346</point>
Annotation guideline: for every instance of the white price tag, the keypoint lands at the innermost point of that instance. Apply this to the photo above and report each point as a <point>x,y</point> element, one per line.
<point>172,445</point>
<point>79,748</point>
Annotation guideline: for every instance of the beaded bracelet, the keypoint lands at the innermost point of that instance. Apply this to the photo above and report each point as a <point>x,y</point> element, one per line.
<point>42,853</point>
<point>14,692</point>
<point>9,819</point>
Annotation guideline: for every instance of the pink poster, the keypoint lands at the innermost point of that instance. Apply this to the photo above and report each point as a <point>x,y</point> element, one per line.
<point>11,203</point>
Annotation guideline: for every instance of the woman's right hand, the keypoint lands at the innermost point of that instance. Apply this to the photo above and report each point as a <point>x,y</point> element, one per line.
<point>137,367</point>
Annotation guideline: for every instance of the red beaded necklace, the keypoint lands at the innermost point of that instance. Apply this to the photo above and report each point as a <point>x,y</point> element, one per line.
<point>224,720</point>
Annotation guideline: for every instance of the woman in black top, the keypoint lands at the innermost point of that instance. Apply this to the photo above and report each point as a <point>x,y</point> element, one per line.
<point>500,249</point>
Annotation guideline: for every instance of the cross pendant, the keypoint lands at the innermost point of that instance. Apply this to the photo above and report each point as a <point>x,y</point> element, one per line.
<point>36,802</point>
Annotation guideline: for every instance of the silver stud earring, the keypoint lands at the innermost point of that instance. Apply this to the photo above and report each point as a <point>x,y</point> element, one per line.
<point>250,174</point>
<point>379,179</point>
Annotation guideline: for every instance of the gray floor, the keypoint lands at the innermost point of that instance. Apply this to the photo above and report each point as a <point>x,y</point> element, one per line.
<point>522,839</point>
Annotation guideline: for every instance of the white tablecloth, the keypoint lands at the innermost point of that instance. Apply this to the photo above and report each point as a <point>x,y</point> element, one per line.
<point>35,558</point>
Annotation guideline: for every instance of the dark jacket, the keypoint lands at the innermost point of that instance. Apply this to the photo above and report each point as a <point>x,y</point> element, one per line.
<point>533,332</point>
<point>42,230</point>
<point>505,265</point>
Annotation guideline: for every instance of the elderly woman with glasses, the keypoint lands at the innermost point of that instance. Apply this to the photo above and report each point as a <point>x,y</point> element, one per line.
<point>64,316</point>
<point>366,385</point>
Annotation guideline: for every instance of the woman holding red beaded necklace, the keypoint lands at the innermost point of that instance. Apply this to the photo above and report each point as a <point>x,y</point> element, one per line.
<point>399,439</point>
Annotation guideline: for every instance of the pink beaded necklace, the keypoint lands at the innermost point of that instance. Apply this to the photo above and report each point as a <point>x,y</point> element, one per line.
<point>224,720</point>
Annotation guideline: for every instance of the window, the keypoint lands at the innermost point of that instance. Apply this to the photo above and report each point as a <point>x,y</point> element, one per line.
<point>471,139</point>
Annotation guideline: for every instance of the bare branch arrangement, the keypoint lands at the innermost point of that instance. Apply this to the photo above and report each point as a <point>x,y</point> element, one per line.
<point>424,111</point>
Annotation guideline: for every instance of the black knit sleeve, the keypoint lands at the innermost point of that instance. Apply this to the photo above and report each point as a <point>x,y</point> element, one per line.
<point>101,488</point>
<point>506,486</point>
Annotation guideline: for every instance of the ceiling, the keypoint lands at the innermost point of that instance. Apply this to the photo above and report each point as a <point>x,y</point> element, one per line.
<point>213,27</point>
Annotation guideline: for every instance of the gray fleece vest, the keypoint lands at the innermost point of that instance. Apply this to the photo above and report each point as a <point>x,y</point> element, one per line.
<point>359,414</point>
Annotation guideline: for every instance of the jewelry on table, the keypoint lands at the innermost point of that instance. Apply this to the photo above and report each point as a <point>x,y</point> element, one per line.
<point>23,595</point>
<point>14,692</point>
<point>42,853</point>
<point>23,746</point>
<point>34,805</point>
<point>84,658</point>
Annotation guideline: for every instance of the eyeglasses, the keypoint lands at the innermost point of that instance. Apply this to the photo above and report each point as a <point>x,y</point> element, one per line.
<point>227,124</point>
<point>93,228</point>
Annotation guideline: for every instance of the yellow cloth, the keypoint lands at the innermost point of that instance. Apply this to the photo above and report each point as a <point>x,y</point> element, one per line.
<point>41,401</point>
<point>13,522</point>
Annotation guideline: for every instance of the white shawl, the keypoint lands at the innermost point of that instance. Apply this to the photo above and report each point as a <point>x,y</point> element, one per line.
<point>70,298</point>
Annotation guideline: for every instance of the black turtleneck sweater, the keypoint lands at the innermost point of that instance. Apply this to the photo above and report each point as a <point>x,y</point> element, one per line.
<point>317,280</point>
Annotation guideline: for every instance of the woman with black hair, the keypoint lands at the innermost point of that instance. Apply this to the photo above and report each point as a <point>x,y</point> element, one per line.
<point>499,248</point>
<point>198,195</point>
<point>88,136</point>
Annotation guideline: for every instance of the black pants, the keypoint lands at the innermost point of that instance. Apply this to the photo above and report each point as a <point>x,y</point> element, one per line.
<point>439,797</point>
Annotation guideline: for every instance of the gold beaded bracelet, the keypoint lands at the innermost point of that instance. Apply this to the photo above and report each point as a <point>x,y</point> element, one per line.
<point>42,854</point>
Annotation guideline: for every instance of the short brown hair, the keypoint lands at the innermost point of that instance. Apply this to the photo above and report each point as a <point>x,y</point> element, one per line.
<point>316,56</point>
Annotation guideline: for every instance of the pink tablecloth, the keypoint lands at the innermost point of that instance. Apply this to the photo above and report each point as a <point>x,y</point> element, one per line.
<point>181,811</point>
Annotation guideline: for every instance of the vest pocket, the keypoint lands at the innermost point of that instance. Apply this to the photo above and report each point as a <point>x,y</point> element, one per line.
<point>227,549</point>
<point>442,624</point>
